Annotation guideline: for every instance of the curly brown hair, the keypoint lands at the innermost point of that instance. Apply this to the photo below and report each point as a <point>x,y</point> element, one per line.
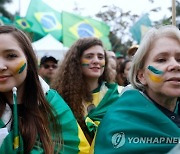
<point>70,81</point>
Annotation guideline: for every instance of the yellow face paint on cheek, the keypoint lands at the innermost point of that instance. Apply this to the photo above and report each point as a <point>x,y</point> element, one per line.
<point>155,78</point>
<point>155,75</point>
<point>20,67</point>
<point>102,63</point>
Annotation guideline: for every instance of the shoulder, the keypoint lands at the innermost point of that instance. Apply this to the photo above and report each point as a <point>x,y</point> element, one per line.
<point>56,101</point>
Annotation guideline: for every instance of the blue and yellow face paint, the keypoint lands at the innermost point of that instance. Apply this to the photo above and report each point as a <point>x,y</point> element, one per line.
<point>155,75</point>
<point>20,67</point>
<point>85,62</point>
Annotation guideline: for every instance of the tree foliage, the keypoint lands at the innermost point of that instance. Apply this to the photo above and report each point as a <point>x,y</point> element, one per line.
<point>118,20</point>
<point>120,23</point>
<point>3,10</point>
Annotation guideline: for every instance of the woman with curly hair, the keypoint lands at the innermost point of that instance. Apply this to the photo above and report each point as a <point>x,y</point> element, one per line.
<point>82,80</point>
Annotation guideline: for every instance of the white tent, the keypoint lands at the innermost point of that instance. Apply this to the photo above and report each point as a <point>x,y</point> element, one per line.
<point>48,45</point>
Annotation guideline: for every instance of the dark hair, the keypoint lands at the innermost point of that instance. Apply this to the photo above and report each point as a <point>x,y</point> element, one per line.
<point>70,81</point>
<point>36,111</point>
<point>123,81</point>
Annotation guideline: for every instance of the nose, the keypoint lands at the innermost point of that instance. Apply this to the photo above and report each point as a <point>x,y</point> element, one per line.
<point>95,60</point>
<point>2,67</point>
<point>174,65</point>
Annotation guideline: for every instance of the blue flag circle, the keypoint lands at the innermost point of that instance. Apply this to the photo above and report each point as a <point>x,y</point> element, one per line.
<point>85,30</point>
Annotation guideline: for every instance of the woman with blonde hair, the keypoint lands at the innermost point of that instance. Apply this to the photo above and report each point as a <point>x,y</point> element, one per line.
<point>146,119</point>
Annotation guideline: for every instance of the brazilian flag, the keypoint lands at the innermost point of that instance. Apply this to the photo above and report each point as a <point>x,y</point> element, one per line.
<point>45,19</point>
<point>75,27</point>
<point>140,28</point>
<point>23,24</point>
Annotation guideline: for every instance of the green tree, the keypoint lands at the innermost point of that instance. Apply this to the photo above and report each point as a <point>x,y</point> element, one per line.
<point>3,10</point>
<point>118,21</point>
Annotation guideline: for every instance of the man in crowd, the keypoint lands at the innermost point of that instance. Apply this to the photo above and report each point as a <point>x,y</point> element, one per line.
<point>48,66</point>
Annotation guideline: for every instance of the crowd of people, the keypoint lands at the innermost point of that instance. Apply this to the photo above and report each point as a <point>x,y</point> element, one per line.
<point>93,101</point>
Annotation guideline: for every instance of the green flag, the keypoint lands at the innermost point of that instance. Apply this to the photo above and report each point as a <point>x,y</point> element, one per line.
<point>22,24</point>
<point>5,21</point>
<point>45,19</point>
<point>75,27</point>
<point>140,28</point>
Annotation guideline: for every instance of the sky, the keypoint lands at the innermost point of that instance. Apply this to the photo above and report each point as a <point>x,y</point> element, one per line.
<point>91,7</point>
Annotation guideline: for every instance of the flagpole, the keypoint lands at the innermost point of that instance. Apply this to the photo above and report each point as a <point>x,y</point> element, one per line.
<point>19,8</point>
<point>174,12</point>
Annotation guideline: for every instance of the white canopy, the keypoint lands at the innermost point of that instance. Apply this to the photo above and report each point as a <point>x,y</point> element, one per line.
<point>48,45</point>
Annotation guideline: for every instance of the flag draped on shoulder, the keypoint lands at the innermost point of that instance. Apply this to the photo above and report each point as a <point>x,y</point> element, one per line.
<point>140,28</point>
<point>45,19</point>
<point>75,27</point>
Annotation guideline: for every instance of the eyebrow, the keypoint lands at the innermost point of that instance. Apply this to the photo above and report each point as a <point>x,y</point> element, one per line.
<point>10,50</point>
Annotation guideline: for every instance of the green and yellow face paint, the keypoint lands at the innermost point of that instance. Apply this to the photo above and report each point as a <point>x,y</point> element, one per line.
<point>85,62</point>
<point>155,75</point>
<point>20,67</point>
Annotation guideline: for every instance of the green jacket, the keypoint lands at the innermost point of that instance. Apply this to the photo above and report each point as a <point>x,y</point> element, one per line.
<point>135,125</point>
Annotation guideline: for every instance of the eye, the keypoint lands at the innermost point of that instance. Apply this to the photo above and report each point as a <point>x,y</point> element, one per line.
<point>100,57</point>
<point>161,60</point>
<point>178,59</point>
<point>11,56</point>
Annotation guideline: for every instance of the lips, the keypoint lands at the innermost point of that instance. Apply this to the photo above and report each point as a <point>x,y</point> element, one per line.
<point>95,69</point>
<point>4,77</point>
<point>174,79</point>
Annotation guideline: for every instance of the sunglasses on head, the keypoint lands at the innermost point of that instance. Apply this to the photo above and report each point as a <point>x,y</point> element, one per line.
<point>46,66</point>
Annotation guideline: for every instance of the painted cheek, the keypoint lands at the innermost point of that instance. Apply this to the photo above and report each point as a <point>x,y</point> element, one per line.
<point>155,75</point>
<point>155,78</point>
<point>102,63</point>
<point>85,62</point>
<point>20,67</point>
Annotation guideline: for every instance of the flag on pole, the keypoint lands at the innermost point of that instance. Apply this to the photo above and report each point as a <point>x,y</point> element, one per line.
<point>140,28</point>
<point>45,19</point>
<point>75,27</point>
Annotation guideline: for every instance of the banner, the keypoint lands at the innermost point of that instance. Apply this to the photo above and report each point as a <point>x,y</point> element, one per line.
<point>140,28</point>
<point>75,27</point>
<point>45,19</point>
<point>22,23</point>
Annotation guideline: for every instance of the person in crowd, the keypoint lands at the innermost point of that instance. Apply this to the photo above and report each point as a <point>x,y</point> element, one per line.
<point>47,68</point>
<point>112,65</point>
<point>119,58</point>
<point>146,119</point>
<point>122,77</point>
<point>82,80</point>
<point>33,118</point>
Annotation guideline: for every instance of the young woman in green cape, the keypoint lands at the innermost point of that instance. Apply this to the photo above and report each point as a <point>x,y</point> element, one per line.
<point>83,81</point>
<point>33,118</point>
<point>146,119</point>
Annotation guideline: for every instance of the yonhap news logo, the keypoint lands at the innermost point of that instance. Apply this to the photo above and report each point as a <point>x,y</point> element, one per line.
<point>119,139</point>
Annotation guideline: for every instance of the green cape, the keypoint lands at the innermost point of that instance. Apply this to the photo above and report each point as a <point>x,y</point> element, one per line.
<point>135,125</point>
<point>70,130</point>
